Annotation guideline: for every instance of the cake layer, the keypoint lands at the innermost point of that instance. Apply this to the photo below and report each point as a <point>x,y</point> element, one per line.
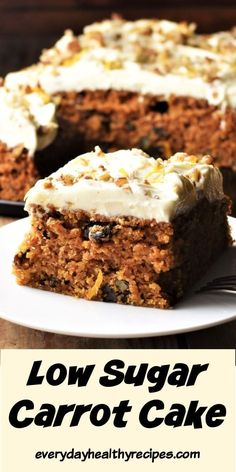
<point>118,120</point>
<point>129,183</point>
<point>121,259</point>
<point>17,172</point>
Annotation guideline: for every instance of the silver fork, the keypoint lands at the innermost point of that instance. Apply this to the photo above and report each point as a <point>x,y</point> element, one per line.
<point>220,284</point>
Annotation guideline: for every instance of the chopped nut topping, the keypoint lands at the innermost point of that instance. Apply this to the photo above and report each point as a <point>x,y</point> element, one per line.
<point>67,179</point>
<point>97,36</point>
<point>99,151</point>
<point>158,45</point>
<point>74,46</point>
<point>105,177</point>
<point>48,183</point>
<point>121,181</point>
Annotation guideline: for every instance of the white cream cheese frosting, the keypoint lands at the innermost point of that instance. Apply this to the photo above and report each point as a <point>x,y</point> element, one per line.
<point>93,75</point>
<point>27,118</point>
<point>128,183</point>
<point>156,57</point>
<point>146,56</point>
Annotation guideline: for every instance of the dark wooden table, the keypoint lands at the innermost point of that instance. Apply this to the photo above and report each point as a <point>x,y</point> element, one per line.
<point>18,337</point>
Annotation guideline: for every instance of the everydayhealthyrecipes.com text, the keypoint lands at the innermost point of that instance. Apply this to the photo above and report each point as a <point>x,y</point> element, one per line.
<point>115,454</point>
<point>153,413</point>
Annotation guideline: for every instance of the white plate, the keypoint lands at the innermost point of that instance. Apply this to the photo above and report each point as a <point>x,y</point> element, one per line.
<point>67,315</point>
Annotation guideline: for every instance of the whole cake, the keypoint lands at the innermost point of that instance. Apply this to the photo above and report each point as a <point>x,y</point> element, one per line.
<point>123,227</point>
<point>153,84</point>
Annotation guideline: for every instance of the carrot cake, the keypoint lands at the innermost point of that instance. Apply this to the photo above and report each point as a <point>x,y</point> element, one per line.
<point>123,227</point>
<point>153,84</point>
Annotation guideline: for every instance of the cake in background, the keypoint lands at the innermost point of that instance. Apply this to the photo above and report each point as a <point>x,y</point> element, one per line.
<point>153,84</point>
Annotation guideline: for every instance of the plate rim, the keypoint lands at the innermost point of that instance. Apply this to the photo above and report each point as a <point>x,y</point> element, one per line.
<point>98,335</point>
<point>84,334</point>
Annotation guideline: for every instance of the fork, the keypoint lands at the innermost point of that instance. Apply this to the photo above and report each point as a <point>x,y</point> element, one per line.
<point>220,284</point>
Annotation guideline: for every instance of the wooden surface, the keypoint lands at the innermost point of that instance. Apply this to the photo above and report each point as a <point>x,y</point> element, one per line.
<point>13,336</point>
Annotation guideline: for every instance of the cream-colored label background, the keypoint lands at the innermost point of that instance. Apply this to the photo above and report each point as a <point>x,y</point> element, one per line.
<point>214,386</point>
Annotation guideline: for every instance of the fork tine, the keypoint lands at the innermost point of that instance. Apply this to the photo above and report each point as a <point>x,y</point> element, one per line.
<point>220,284</point>
<point>219,288</point>
<point>225,283</point>
<point>225,278</point>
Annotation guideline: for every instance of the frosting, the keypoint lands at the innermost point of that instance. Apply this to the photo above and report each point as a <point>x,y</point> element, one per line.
<point>91,73</point>
<point>101,69</point>
<point>27,119</point>
<point>146,56</point>
<point>223,42</point>
<point>157,57</point>
<point>28,77</point>
<point>129,183</point>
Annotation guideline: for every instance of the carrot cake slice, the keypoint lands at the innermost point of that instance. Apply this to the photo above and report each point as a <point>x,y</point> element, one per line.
<point>151,84</point>
<point>123,227</point>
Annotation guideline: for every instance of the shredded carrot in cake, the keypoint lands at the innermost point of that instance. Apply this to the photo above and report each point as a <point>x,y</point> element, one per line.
<point>92,292</point>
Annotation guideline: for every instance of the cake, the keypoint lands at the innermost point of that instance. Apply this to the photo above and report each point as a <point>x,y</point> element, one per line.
<point>150,84</point>
<point>123,227</point>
